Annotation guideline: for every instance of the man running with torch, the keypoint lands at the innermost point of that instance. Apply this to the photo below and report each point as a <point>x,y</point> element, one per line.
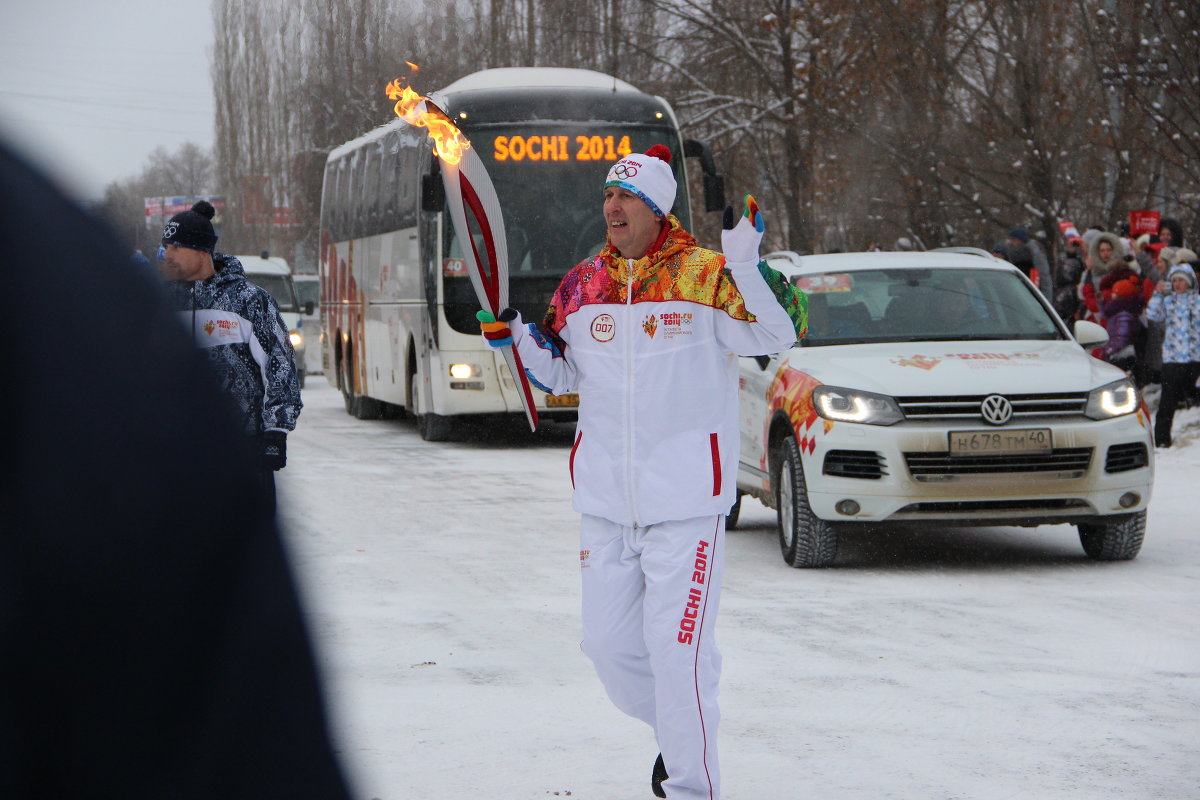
<point>647,332</point>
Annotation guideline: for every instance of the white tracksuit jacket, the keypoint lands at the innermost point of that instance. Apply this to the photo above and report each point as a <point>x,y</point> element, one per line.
<point>656,373</point>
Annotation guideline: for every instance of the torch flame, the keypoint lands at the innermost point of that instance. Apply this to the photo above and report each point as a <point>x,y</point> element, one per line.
<point>448,141</point>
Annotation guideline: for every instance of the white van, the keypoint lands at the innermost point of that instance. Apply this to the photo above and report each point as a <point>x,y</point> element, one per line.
<point>274,275</point>
<point>308,288</point>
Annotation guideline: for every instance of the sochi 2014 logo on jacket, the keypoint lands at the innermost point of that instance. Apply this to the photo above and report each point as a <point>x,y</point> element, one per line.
<point>673,324</point>
<point>604,328</point>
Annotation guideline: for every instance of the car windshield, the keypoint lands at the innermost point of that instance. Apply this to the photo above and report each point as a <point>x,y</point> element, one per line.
<point>280,287</point>
<point>922,305</point>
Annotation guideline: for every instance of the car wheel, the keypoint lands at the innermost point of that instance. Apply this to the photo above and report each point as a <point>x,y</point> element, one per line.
<point>731,518</point>
<point>432,427</point>
<point>805,539</point>
<point>1119,540</point>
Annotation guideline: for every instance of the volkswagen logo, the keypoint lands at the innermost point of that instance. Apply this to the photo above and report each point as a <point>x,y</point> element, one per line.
<point>995,410</point>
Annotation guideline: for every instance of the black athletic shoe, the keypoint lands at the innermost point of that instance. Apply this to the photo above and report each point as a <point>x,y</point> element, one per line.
<point>657,776</point>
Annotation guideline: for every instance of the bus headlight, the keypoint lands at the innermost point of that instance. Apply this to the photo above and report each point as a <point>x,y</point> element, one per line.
<point>460,372</point>
<point>851,405</point>
<point>1115,399</point>
<point>296,339</point>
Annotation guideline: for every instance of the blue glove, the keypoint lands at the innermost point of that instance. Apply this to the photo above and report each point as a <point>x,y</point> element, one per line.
<point>740,242</point>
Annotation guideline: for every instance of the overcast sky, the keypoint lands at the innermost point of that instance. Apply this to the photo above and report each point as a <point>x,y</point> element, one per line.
<point>89,89</point>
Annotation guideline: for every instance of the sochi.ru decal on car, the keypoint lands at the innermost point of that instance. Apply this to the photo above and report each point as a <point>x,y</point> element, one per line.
<point>994,360</point>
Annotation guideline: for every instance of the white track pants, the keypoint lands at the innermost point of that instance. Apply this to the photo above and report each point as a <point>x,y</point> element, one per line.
<point>650,598</point>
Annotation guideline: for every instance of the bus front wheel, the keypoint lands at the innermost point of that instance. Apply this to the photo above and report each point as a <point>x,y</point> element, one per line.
<point>432,427</point>
<point>357,405</point>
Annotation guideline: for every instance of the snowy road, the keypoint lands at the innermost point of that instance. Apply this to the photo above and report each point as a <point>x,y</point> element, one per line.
<point>441,581</point>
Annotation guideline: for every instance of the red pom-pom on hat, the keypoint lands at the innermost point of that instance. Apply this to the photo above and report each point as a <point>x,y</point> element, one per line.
<point>660,151</point>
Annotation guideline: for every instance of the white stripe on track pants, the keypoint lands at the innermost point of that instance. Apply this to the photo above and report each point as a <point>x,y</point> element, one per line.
<point>650,599</point>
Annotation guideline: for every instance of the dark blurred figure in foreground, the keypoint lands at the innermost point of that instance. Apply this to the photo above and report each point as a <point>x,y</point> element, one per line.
<point>151,641</point>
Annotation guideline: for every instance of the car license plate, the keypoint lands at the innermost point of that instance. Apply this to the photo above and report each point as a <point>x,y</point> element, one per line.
<point>1000,442</point>
<point>562,401</point>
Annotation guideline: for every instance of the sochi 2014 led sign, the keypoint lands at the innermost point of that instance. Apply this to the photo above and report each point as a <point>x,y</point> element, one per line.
<point>560,148</point>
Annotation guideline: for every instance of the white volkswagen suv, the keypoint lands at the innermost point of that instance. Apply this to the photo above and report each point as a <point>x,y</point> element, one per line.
<point>939,388</point>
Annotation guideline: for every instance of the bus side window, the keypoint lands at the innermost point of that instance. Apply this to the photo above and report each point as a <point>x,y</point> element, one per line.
<point>389,183</point>
<point>372,196</point>
<point>328,193</point>
<point>358,181</point>
<point>406,185</point>
<point>341,214</point>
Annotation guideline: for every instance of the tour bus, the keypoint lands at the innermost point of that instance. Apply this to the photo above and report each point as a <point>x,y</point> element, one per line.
<point>399,330</point>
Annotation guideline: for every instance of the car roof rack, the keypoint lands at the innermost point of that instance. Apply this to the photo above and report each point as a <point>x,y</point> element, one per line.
<point>971,251</point>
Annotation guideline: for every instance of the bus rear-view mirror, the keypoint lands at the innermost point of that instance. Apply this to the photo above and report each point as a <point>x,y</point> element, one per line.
<point>433,193</point>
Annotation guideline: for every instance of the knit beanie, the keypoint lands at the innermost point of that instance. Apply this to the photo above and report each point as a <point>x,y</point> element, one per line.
<point>1186,271</point>
<point>1124,288</point>
<point>649,176</point>
<point>1020,234</point>
<point>192,228</point>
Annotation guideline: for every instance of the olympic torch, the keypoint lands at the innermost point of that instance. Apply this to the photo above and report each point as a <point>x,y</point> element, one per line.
<point>470,196</point>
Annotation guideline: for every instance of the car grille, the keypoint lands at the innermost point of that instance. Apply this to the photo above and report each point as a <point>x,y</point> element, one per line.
<point>926,466</point>
<point>854,464</point>
<point>1005,506</point>
<point>1124,457</point>
<point>1064,404</point>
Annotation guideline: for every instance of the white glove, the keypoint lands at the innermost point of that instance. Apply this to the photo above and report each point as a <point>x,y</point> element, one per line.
<point>740,242</point>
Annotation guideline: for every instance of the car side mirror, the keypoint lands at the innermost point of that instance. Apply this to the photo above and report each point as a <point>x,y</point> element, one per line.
<point>1089,334</point>
<point>309,307</point>
<point>763,362</point>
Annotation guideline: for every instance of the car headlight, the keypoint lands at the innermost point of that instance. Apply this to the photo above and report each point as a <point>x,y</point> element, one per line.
<point>295,338</point>
<point>851,405</point>
<point>1114,399</point>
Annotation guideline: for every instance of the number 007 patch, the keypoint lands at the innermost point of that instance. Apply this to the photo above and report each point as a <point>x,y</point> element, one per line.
<point>604,328</point>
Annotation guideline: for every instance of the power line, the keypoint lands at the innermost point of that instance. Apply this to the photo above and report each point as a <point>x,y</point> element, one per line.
<point>79,101</point>
<point>74,122</point>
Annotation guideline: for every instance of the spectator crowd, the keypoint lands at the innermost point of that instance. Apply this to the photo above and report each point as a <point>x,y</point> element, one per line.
<point>1142,291</point>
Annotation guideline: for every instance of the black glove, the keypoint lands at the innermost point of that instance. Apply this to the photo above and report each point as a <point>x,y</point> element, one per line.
<point>274,452</point>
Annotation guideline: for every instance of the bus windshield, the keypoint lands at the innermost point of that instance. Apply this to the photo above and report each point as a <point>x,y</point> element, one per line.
<point>550,185</point>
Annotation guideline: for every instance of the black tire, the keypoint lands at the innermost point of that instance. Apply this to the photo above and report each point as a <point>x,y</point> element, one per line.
<point>368,408</point>
<point>1118,540</point>
<point>432,427</point>
<point>735,510</point>
<point>805,540</point>
<point>346,383</point>
<point>435,427</point>
<point>357,405</point>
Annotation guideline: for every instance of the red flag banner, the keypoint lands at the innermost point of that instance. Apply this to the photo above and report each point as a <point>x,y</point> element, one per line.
<point>1068,229</point>
<point>1144,222</point>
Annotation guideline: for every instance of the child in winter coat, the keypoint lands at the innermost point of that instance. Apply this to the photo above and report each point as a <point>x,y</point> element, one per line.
<point>1177,306</point>
<point>1122,312</point>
